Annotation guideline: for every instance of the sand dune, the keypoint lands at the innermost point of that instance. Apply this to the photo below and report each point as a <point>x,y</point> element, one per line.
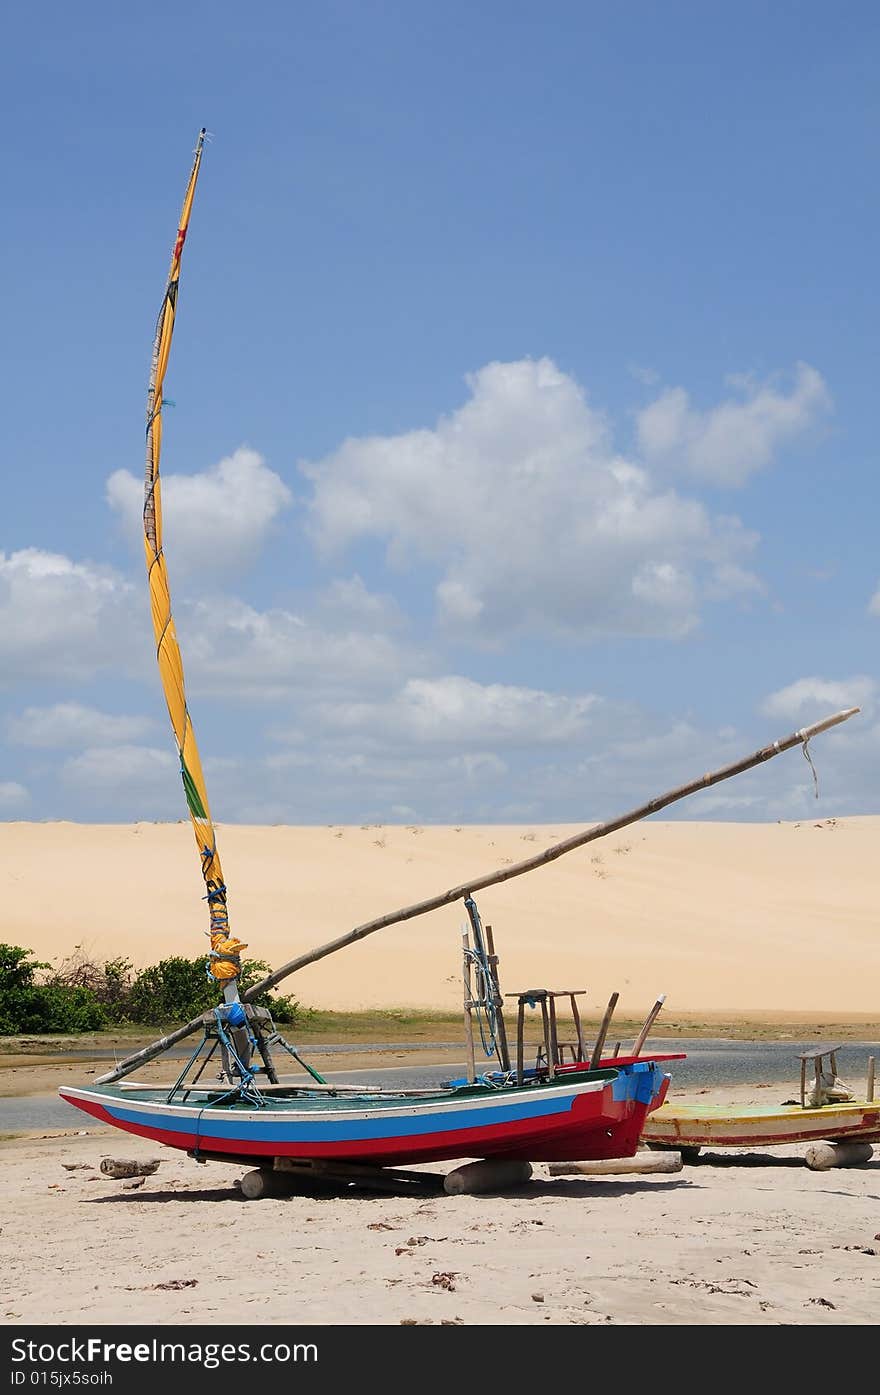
<point>780,918</point>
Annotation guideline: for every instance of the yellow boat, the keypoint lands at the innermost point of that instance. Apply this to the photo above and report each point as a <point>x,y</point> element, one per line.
<point>828,1111</point>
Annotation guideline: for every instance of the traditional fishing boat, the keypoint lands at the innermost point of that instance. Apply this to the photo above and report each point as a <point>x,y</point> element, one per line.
<point>591,1107</point>
<point>827,1111</point>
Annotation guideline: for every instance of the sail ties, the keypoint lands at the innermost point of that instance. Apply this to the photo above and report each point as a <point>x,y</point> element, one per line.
<point>224,961</point>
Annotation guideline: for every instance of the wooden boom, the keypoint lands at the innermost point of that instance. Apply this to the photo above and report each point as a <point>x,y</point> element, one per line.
<point>504,874</point>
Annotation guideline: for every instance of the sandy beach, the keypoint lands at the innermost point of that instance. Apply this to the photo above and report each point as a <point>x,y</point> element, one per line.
<point>744,918</point>
<point>749,1238</point>
<point>773,925</point>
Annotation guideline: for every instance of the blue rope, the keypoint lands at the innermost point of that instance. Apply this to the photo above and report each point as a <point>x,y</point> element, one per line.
<point>245,1089</point>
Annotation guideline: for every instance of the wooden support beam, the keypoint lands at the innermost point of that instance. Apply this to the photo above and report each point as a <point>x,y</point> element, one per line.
<point>581,1049</point>
<point>520,1047</point>
<point>607,1167</point>
<point>553,1043</point>
<point>545,1019</point>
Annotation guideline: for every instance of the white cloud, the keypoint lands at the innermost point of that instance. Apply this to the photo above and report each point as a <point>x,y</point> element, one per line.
<point>729,442</point>
<point>726,806</point>
<point>141,774</point>
<point>267,656</point>
<point>520,503</point>
<point>12,795</point>
<point>457,711</point>
<point>63,619</point>
<point>874,603</point>
<point>811,699</point>
<point>72,724</point>
<point>234,650</point>
<point>347,599</point>
<point>217,519</point>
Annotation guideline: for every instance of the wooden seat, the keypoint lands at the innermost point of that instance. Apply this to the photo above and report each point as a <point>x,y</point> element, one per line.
<point>817,1054</point>
<point>550,1049</point>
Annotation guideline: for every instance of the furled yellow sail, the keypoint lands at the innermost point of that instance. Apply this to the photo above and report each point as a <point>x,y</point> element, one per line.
<point>224,962</point>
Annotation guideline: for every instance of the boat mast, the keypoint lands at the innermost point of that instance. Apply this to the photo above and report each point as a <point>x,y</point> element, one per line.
<point>225,956</point>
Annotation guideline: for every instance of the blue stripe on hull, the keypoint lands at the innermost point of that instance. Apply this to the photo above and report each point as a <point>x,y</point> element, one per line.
<point>209,1122</point>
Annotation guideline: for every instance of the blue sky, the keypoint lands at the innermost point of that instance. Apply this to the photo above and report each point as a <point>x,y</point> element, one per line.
<point>523,455</point>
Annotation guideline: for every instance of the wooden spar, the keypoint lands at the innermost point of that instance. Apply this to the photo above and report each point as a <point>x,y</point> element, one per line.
<point>601,830</point>
<point>458,893</point>
<point>596,1058</point>
<point>649,1022</point>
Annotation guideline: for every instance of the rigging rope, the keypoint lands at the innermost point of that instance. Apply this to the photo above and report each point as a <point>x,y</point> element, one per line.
<point>809,760</point>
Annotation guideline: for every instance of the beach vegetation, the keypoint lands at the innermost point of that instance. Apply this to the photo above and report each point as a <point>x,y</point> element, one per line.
<point>84,995</point>
<point>29,1006</point>
<point>176,989</point>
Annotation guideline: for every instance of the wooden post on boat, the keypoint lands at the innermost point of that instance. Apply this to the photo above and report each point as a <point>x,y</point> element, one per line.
<point>581,1049</point>
<point>869,1088</point>
<point>817,1066</point>
<point>553,1042</point>
<point>603,1032</point>
<point>545,1021</point>
<point>468,1004</point>
<point>649,1022</point>
<point>520,1047</point>
<point>497,1001</point>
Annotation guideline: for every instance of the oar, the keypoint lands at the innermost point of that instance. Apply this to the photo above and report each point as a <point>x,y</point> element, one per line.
<point>458,893</point>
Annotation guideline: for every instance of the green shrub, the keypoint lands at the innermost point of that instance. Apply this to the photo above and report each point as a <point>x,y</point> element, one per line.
<point>177,989</point>
<point>172,990</point>
<point>82,996</point>
<point>26,1006</point>
<point>109,983</point>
